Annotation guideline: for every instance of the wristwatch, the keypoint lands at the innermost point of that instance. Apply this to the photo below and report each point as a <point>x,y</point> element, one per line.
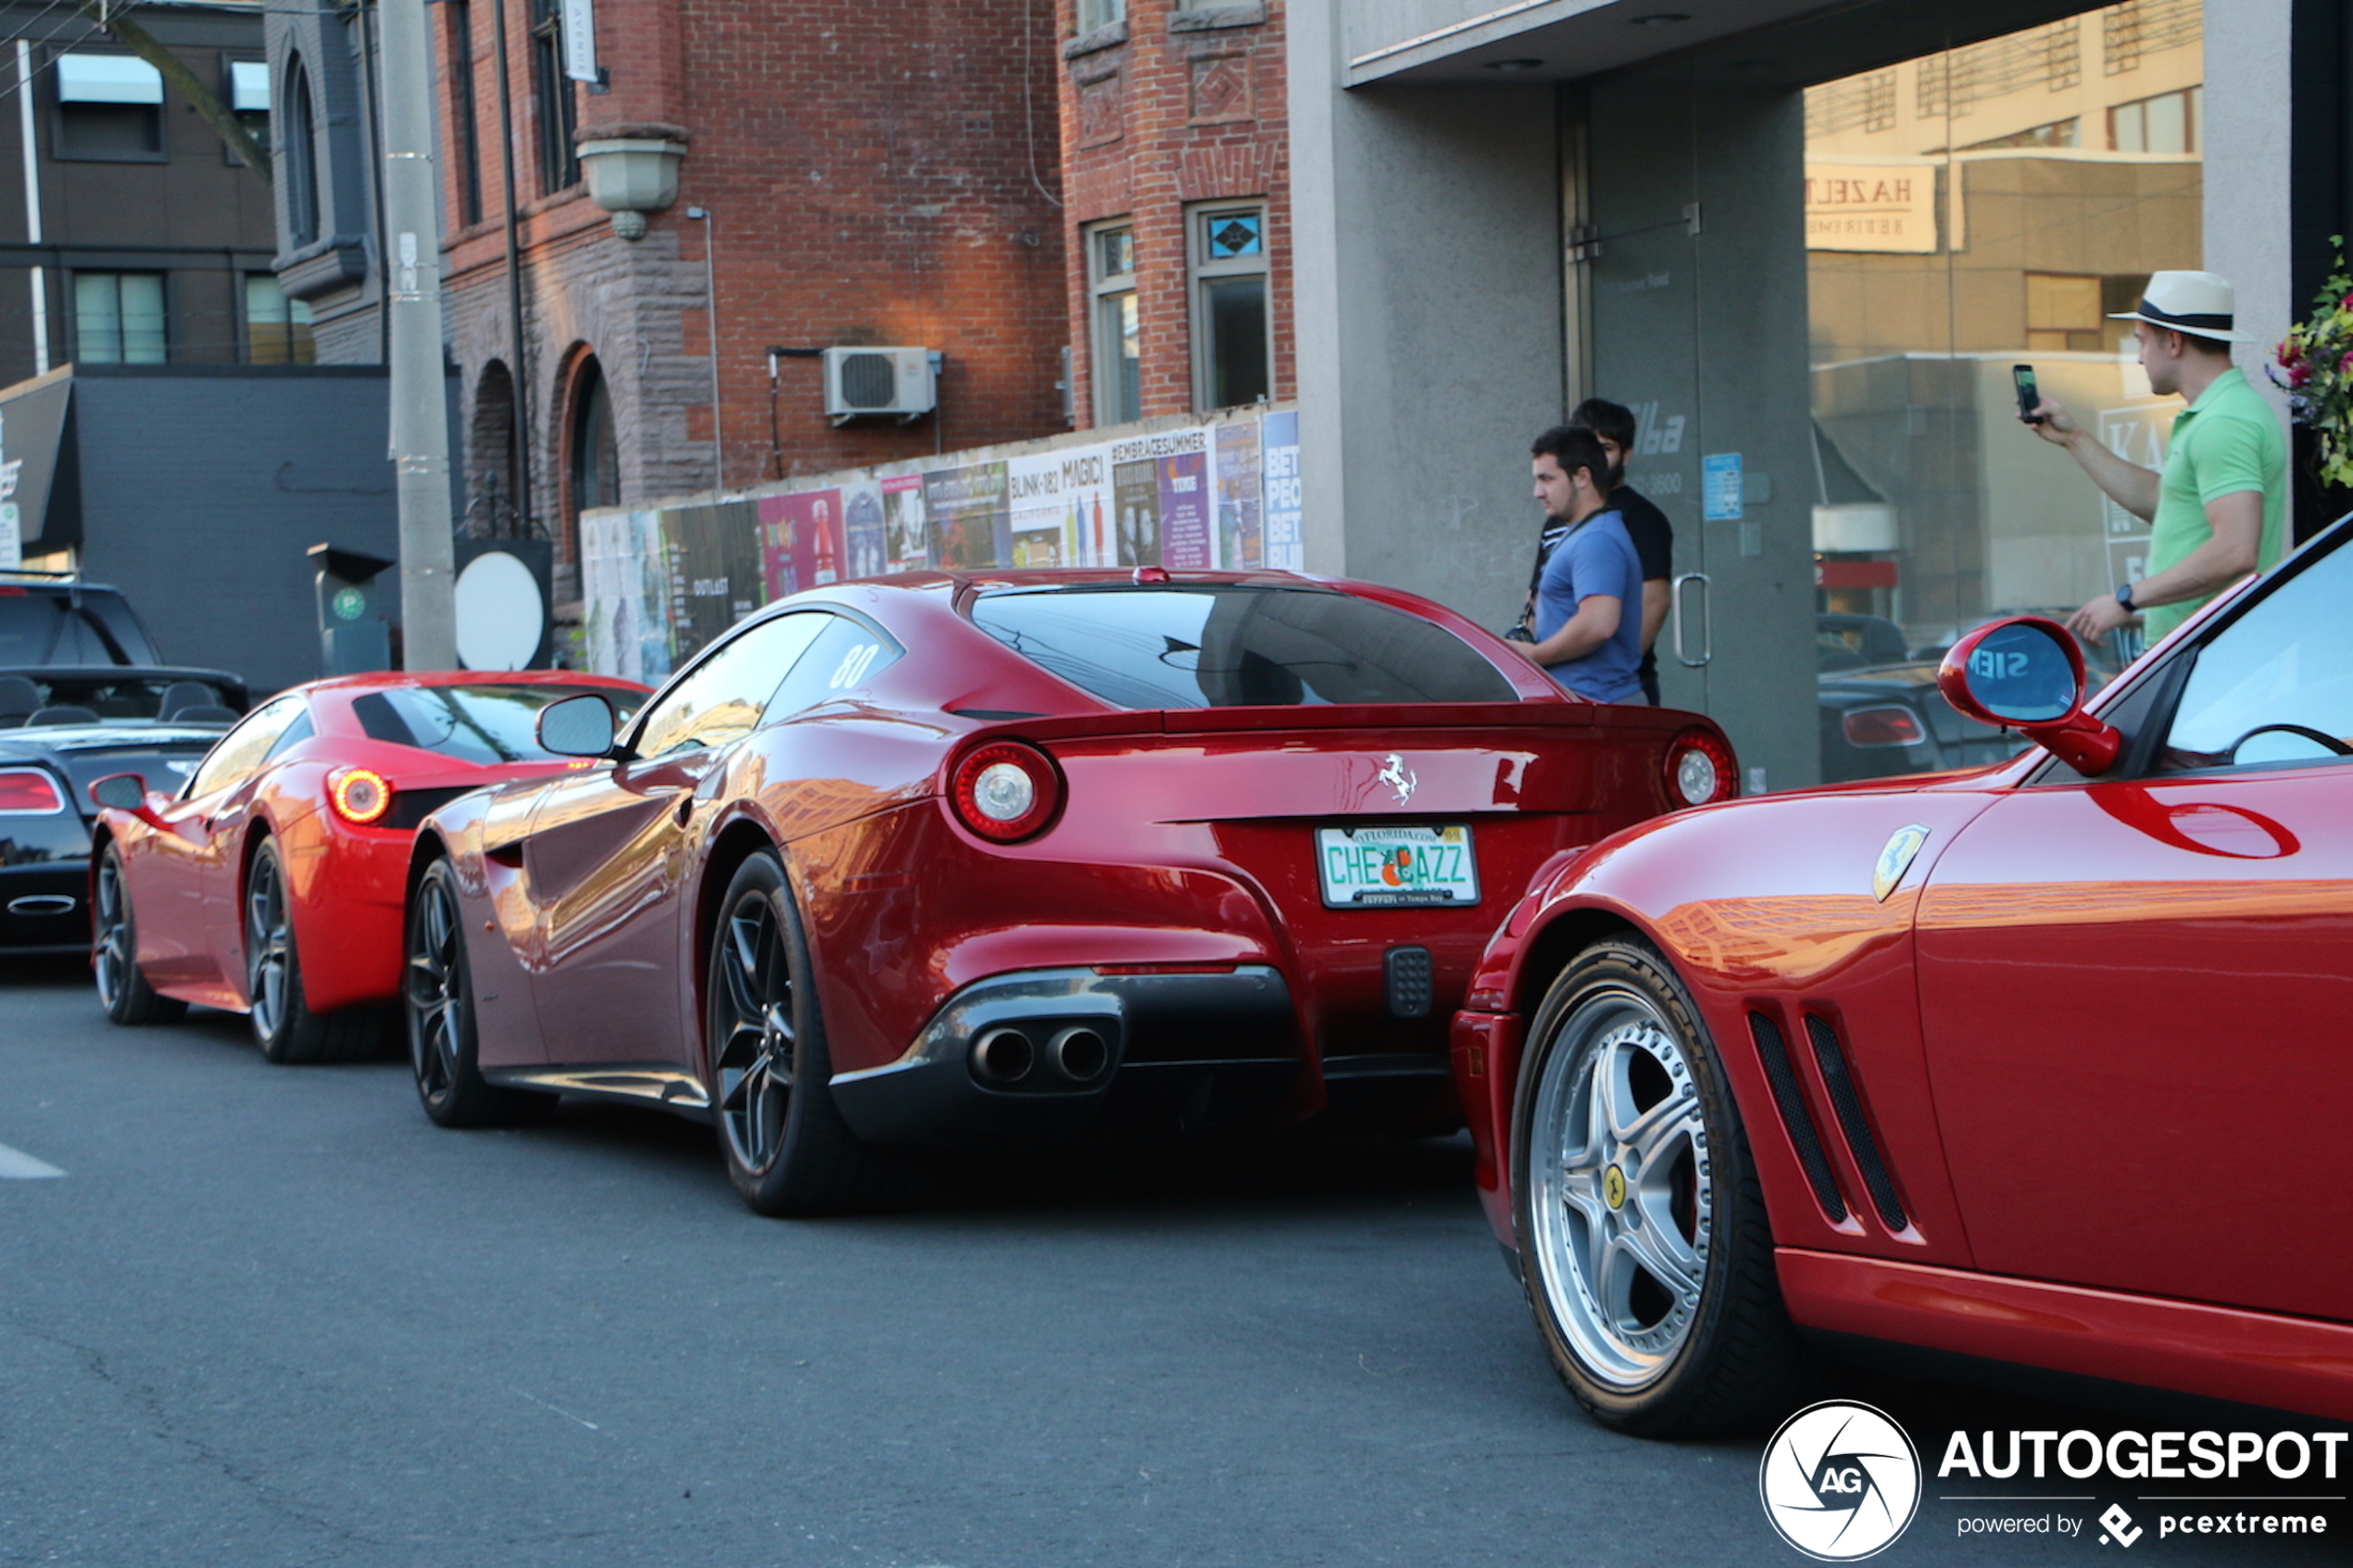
<point>2124,597</point>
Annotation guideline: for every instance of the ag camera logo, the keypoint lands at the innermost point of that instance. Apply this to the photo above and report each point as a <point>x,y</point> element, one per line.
<point>1840,1481</point>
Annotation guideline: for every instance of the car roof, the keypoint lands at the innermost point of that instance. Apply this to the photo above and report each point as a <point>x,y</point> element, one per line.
<point>385,680</point>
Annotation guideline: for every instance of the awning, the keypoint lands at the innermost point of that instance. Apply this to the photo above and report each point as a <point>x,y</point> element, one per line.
<point>108,79</point>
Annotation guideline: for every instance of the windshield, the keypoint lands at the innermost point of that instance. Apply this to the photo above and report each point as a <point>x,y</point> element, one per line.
<point>487,724</point>
<point>43,626</point>
<point>1235,646</point>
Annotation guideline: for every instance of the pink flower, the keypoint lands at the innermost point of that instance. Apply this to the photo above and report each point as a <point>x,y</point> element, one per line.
<point>2289,352</point>
<point>2299,374</point>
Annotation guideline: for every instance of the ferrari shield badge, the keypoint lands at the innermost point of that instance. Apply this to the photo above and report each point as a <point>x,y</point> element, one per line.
<point>1896,858</point>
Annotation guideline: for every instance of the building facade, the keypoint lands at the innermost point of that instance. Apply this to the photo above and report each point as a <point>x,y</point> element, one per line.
<point>782,175</point>
<point>1175,153</point>
<point>134,235</point>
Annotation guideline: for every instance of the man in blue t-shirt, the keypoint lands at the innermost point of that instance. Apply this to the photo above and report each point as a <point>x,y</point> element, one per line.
<point>1588,624</point>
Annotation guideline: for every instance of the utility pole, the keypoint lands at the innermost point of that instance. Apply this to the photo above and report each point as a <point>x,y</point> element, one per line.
<point>420,402</point>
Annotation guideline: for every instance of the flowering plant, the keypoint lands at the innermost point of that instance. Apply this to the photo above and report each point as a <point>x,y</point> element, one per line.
<point>2315,366</point>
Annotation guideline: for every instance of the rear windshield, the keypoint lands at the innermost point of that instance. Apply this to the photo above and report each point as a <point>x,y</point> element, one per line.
<point>1235,646</point>
<point>485,724</point>
<point>43,626</point>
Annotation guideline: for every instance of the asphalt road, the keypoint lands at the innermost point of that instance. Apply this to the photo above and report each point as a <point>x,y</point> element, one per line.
<point>270,1316</point>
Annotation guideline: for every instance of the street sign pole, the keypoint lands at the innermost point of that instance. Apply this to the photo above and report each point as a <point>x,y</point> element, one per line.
<point>419,408</point>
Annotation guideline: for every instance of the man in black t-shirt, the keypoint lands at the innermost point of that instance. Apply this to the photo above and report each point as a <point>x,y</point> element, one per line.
<point>1612,425</point>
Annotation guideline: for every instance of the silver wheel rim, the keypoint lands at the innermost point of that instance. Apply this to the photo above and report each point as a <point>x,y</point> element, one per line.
<point>1621,1192</point>
<point>269,947</point>
<point>434,992</point>
<point>111,956</point>
<point>752,1033</point>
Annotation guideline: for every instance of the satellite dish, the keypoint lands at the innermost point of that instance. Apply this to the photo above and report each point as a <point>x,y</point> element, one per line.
<point>502,616</point>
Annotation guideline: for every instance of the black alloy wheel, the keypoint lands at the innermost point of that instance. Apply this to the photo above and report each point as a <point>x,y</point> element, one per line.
<point>438,998</point>
<point>787,1150</point>
<point>113,952</point>
<point>287,1031</point>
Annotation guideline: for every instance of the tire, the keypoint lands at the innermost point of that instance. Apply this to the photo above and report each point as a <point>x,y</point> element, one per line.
<point>437,1002</point>
<point>787,1150</point>
<point>113,952</point>
<point>287,1031</point>
<point>1643,1244</point>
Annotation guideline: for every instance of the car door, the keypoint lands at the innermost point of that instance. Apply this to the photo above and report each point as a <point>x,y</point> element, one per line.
<point>2138,991</point>
<point>182,882</point>
<point>609,856</point>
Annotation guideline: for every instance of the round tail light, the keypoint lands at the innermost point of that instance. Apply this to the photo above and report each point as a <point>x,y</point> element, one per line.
<point>1005,791</point>
<point>359,796</point>
<point>1700,769</point>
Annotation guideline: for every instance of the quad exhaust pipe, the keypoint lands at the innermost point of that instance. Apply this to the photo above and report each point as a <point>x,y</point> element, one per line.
<point>1075,1055</point>
<point>1003,1055</point>
<point>1078,1053</point>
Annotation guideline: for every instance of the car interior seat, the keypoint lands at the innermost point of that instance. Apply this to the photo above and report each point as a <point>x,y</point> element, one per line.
<point>63,713</point>
<point>181,696</point>
<point>18,698</point>
<point>206,713</point>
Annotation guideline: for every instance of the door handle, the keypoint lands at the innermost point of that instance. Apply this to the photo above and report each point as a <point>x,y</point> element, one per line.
<point>1706,625</point>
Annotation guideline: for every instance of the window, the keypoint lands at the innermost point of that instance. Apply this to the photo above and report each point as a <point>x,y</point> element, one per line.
<point>595,455</point>
<point>842,658</point>
<point>238,755</point>
<point>2275,685</point>
<point>109,108</point>
<point>1231,357</point>
<point>1119,333</point>
<point>119,318</point>
<point>2167,123</point>
<point>298,159</point>
<point>722,699</point>
<point>552,91</point>
<point>1093,14</point>
<point>277,329</point>
<point>2063,312</point>
<point>249,97</point>
<point>461,97</point>
<point>489,724</point>
<point>1233,648</point>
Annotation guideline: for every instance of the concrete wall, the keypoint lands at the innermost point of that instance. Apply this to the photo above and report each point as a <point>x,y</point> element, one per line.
<point>2249,113</point>
<point>201,489</point>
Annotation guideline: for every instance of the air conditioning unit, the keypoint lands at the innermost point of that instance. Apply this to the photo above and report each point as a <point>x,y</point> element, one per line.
<point>900,381</point>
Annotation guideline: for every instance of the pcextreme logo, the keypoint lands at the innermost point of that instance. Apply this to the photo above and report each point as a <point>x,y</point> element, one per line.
<point>1840,1481</point>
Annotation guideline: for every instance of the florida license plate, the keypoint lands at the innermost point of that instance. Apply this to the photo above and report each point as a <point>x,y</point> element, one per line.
<point>1378,867</point>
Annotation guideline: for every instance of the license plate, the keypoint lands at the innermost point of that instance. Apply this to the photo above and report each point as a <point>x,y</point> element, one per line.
<point>1371,868</point>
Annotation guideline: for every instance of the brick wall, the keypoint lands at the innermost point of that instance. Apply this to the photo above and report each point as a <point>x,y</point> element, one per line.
<point>878,173</point>
<point>1180,105</point>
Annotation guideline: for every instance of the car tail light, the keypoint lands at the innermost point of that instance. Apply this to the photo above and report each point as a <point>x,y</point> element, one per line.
<point>29,792</point>
<point>1883,726</point>
<point>360,796</point>
<point>1700,769</point>
<point>1005,790</point>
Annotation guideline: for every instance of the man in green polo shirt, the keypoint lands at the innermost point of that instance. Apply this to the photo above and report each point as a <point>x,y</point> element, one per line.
<point>2219,510</point>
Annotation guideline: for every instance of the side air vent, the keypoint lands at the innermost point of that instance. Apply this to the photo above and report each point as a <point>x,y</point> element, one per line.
<point>1848,1105</point>
<point>1803,1134</point>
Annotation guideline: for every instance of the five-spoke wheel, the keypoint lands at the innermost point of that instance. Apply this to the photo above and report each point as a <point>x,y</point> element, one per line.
<point>438,997</point>
<point>1643,1234</point>
<point>113,952</point>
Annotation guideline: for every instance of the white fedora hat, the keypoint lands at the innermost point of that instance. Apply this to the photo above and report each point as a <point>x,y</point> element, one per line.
<point>2200,303</point>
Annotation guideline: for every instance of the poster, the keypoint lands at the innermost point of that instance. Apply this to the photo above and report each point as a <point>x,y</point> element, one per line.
<point>715,565</point>
<point>906,543</point>
<point>1184,509</point>
<point>862,515</point>
<point>1286,543</point>
<point>778,575</point>
<point>964,508</point>
<point>1039,515</point>
<point>1135,490</point>
<point>1087,504</point>
<point>804,547</point>
<point>625,583</point>
<point>1241,543</point>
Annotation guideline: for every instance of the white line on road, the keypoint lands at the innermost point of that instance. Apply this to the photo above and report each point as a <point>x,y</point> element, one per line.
<point>16,1164</point>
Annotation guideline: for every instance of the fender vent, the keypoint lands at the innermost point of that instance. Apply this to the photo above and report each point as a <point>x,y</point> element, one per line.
<point>1802,1134</point>
<point>1848,1104</point>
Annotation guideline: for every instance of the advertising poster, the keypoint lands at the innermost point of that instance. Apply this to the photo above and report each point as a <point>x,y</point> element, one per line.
<point>1039,516</point>
<point>716,571</point>
<point>861,513</point>
<point>1086,499</point>
<point>1135,493</point>
<point>1184,509</point>
<point>964,508</point>
<point>1286,547</point>
<point>625,584</point>
<point>804,540</point>
<point>906,542</point>
<point>1241,542</point>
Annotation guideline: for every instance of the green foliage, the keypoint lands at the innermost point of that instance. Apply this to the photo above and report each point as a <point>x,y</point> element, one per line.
<point>2314,363</point>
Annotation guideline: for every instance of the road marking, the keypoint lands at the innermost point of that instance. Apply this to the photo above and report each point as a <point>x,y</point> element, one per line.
<point>16,1165</point>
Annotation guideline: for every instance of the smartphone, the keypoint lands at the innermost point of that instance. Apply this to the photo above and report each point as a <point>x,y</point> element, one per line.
<point>2029,399</point>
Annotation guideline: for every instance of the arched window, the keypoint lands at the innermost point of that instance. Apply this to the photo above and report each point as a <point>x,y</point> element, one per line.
<point>491,512</point>
<point>593,455</point>
<point>298,158</point>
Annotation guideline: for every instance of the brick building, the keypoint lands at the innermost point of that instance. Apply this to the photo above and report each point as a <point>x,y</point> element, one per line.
<point>870,175</point>
<point>1175,162</point>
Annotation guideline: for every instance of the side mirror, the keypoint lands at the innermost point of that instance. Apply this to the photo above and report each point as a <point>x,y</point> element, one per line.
<point>2026,673</point>
<point>124,792</point>
<point>578,726</point>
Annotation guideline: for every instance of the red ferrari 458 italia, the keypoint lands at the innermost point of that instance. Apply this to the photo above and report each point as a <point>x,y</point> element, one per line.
<point>2044,1064</point>
<point>272,882</point>
<point>947,858</point>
